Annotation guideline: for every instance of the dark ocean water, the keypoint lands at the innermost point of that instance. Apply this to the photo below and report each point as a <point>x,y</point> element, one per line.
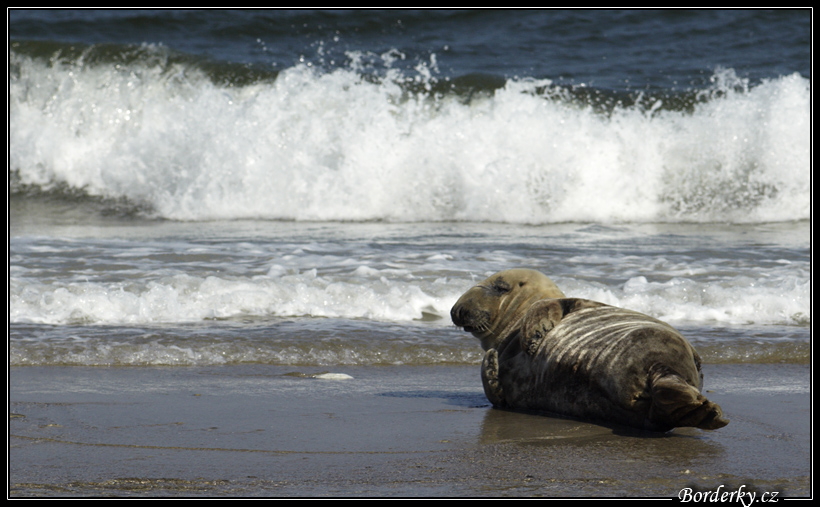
<point>318,187</point>
<point>610,50</point>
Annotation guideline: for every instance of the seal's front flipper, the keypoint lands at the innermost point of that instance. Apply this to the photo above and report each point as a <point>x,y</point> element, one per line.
<point>543,315</point>
<point>489,377</point>
<point>676,403</point>
<point>539,320</point>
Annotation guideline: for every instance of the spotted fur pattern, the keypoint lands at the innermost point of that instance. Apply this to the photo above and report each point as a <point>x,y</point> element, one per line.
<point>582,358</point>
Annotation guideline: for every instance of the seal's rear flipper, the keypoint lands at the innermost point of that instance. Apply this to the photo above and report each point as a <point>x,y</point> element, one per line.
<point>676,403</point>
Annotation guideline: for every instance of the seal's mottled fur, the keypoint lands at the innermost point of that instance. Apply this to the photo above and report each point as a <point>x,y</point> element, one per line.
<point>582,358</point>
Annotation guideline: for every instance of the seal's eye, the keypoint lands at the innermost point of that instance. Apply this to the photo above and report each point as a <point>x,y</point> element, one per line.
<point>501,286</point>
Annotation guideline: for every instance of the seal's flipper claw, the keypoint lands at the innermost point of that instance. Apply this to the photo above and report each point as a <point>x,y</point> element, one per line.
<point>489,377</point>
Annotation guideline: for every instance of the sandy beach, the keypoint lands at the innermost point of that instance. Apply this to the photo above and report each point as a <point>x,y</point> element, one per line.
<point>265,431</point>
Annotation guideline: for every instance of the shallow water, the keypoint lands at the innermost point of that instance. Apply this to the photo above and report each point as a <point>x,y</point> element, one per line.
<point>146,293</point>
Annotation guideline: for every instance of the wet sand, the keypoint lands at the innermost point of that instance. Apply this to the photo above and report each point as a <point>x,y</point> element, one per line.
<point>272,431</point>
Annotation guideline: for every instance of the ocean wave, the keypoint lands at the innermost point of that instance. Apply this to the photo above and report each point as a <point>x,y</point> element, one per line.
<point>371,294</point>
<point>368,139</point>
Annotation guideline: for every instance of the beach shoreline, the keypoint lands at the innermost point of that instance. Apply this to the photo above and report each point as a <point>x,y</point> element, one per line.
<point>398,431</point>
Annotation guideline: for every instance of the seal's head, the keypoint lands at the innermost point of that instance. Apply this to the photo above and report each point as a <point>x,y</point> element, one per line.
<point>493,309</point>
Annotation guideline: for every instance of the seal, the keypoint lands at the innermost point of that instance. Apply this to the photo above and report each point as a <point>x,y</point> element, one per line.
<point>583,359</point>
<point>493,309</point>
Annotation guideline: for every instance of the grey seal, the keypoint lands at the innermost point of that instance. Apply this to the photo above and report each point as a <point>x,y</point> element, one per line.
<point>582,358</point>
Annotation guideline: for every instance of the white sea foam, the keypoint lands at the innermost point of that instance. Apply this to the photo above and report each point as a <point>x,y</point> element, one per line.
<point>333,145</point>
<point>736,301</point>
<point>185,298</point>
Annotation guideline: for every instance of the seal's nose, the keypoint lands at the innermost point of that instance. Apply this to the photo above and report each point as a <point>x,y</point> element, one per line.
<point>470,321</point>
<point>456,315</point>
